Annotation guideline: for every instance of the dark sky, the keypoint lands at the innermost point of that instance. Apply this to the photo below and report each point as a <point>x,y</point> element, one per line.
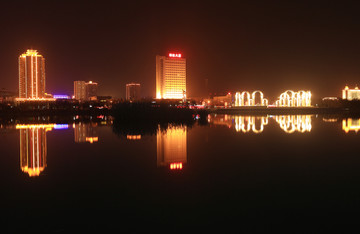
<point>270,46</point>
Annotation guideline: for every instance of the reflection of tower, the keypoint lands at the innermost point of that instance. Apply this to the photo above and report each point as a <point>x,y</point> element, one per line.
<point>33,148</point>
<point>171,147</point>
<point>85,132</point>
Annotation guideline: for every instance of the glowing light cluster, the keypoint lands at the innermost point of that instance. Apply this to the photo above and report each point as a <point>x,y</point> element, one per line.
<point>290,98</point>
<point>91,139</point>
<point>350,124</point>
<point>173,55</point>
<point>249,123</point>
<point>133,137</point>
<point>176,166</point>
<point>293,123</point>
<point>246,99</point>
<point>351,94</point>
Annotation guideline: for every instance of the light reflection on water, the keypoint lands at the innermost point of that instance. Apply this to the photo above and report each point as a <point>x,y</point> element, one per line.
<point>256,124</point>
<point>171,141</point>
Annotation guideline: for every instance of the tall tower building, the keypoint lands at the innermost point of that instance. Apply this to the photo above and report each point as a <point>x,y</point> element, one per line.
<point>132,92</point>
<point>79,90</point>
<point>170,76</point>
<point>91,90</point>
<point>31,75</point>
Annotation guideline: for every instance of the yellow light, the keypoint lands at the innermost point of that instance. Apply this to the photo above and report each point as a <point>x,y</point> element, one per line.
<point>176,166</point>
<point>293,123</point>
<point>29,126</point>
<point>91,139</point>
<point>290,98</point>
<point>351,124</point>
<point>250,99</point>
<point>133,137</point>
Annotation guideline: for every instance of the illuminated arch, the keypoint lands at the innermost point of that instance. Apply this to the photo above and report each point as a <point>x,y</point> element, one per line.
<point>290,98</point>
<point>248,96</point>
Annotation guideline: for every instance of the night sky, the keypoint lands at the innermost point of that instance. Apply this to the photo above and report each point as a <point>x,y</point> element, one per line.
<point>251,45</point>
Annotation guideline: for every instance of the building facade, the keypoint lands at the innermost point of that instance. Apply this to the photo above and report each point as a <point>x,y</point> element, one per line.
<point>133,92</point>
<point>351,94</point>
<point>79,90</point>
<point>31,75</point>
<point>170,76</point>
<point>91,90</point>
<point>85,91</point>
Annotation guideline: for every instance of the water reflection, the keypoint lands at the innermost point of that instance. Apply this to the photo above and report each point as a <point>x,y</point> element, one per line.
<point>351,124</point>
<point>85,132</point>
<point>33,148</point>
<point>171,147</point>
<point>250,123</point>
<point>293,123</point>
<point>256,124</point>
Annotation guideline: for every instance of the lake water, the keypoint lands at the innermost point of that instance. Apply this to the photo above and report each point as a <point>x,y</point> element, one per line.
<point>243,172</point>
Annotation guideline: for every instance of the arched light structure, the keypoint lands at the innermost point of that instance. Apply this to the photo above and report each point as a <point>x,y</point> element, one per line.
<point>290,98</point>
<point>246,99</point>
<point>293,123</point>
<point>248,123</point>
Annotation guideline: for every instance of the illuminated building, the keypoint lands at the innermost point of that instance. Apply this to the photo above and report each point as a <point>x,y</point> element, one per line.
<point>171,147</point>
<point>290,98</point>
<point>79,90</point>
<point>224,100</point>
<point>351,94</point>
<point>132,92</point>
<point>351,124</point>
<point>246,99</point>
<point>170,77</point>
<point>31,75</point>
<point>294,123</point>
<point>91,90</point>
<point>33,149</point>
<point>85,132</point>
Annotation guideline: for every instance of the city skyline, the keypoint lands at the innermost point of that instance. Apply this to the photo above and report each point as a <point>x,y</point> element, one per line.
<point>269,47</point>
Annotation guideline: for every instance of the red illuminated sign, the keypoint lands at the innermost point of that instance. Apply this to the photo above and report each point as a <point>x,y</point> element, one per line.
<point>173,55</point>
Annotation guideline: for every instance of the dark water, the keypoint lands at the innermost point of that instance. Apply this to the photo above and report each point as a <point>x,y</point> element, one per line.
<point>234,173</point>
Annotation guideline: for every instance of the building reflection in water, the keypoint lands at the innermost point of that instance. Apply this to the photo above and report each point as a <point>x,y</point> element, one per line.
<point>33,147</point>
<point>351,124</point>
<point>85,132</point>
<point>294,123</point>
<point>171,147</point>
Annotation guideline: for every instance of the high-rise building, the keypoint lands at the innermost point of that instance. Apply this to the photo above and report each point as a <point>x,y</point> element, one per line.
<point>91,90</point>
<point>132,92</point>
<point>31,75</point>
<point>79,90</point>
<point>170,76</point>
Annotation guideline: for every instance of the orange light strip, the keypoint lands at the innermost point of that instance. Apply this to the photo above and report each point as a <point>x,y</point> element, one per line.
<point>176,166</point>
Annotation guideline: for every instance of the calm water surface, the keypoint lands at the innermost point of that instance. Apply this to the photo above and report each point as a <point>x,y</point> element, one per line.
<point>246,172</point>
